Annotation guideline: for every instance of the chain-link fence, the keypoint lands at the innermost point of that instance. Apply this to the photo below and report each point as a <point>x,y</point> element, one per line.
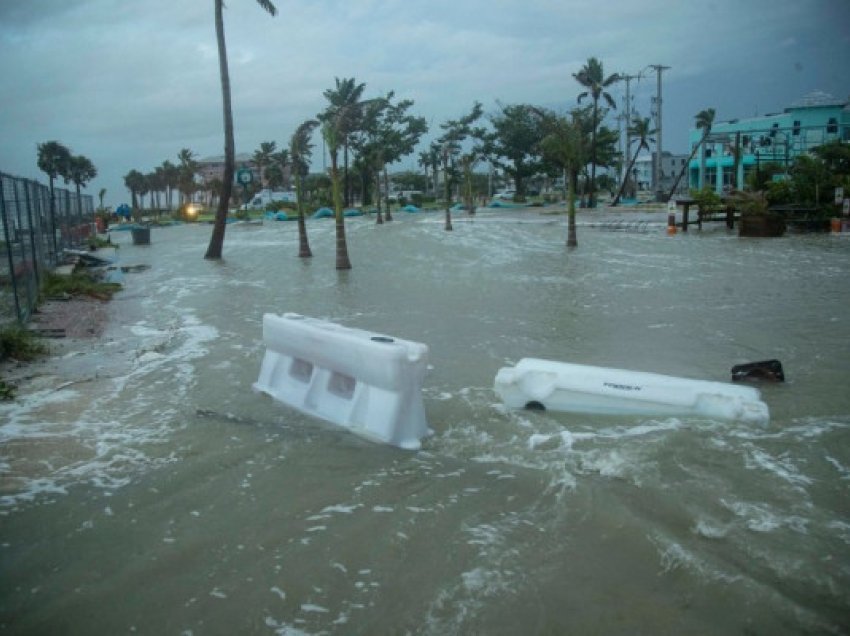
<point>32,237</point>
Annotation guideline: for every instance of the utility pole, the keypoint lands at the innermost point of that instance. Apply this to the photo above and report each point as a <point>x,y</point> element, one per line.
<point>659,194</point>
<point>627,111</point>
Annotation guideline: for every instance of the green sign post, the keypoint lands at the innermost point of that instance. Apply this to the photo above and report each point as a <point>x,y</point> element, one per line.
<point>244,177</point>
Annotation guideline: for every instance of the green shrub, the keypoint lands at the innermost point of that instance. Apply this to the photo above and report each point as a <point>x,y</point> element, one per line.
<point>80,283</point>
<point>19,344</point>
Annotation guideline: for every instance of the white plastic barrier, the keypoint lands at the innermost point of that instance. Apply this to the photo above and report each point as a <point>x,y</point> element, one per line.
<point>366,382</point>
<point>578,388</point>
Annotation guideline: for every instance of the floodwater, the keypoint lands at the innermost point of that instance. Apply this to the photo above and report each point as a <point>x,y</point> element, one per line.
<point>153,492</point>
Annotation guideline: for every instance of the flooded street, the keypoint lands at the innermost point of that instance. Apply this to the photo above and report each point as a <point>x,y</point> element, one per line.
<point>149,490</point>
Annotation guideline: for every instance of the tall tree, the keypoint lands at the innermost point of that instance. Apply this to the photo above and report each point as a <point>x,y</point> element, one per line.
<point>300,151</point>
<point>592,77</point>
<point>135,183</point>
<point>388,134</point>
<point>53,160</point>
<point>282,163</point>
<point>263,158</point>
<point>639,131</point>
<point>567,146</point>
<point>171,179</point>
<point>347,95</point>
<point>456,132</point>
<point>80,171</point>
<point>187,169</point>
<point>515,143</point>
<point>704,122</point>
<point>214,250</point>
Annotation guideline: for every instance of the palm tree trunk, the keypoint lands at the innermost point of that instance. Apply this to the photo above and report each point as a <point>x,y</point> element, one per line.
<point>214,249</point>
<point>572,238</point>
<point>347,196</point>
<point>342,260</point>
<point>625,178</point>
<point>448,226</point>
<point>592,193</point>
<point>303,244</point>
<point>685,168</point>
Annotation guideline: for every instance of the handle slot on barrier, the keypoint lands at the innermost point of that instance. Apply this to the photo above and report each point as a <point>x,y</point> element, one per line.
<point>301,370</point>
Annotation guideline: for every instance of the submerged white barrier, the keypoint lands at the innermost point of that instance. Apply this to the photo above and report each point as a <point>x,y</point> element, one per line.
<point>366,382</point>
<point>578,388</point>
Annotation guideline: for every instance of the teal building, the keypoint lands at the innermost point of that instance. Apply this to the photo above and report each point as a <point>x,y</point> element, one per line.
<point>776,138</point>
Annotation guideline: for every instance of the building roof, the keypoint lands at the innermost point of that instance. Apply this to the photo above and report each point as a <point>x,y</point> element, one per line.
<point>240,156</point>
<point>817,99</point>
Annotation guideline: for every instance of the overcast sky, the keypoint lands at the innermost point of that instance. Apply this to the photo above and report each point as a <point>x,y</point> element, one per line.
<point>128,84</point>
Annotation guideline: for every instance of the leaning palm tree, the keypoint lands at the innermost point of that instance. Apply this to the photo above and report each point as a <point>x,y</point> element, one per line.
<point>704,122</point>
<point>300,150</point>
<point>592,77</point>
<point>217,239</point>
<point>640,132</point>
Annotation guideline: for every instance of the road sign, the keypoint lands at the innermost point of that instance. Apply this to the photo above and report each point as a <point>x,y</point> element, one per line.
<point>244,176</point>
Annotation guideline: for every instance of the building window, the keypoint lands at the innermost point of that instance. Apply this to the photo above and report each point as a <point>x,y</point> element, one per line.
<point>796,127</point>
<point>832,126</point>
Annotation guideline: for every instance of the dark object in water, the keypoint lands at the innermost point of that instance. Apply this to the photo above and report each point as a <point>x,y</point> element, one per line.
<point>769,370</point>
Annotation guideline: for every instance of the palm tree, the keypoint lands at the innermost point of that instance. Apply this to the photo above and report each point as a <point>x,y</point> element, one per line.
<point>332,137</point>
<point>101,193</point>
<point>347,95</point>
<point>263,157</point>
<point>171,180</point>
<point>135,182</point>
<point>53,159</point>
<point>704,122</point>
<point>640,132</point>
<point>80,171</point>
<point>187,169</point>
<point>564,143</point>
<point>216,245</point>
<point>457,130</point>
<point>280,160</point>
<point>592,77</point>
<point>300,151</point>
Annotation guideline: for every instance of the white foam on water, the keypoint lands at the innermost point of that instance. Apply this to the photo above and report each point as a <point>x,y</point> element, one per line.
<point>782,467</point>
<point>116,423</point>
<point>562,441</point>
<point>341,508</point>
<point>284,629</point>
<point>674,556</point>
<point>759,517</point>
<point>710,529</point>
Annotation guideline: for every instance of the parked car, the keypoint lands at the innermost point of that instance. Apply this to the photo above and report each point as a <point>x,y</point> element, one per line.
<point>506,195</point>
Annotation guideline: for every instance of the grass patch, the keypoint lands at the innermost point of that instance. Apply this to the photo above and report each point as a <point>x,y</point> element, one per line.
<point>17,343</point>
<point>80,283</point>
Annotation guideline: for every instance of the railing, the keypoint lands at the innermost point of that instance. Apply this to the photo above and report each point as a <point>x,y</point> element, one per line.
<point>33,234</point>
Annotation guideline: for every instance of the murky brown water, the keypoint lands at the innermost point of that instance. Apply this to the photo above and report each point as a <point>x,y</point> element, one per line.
<point>158,494</point>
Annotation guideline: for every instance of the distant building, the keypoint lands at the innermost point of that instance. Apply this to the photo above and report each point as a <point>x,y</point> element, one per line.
<point>780,138</point>
<point>644,170</point>
<point>210,168</point>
